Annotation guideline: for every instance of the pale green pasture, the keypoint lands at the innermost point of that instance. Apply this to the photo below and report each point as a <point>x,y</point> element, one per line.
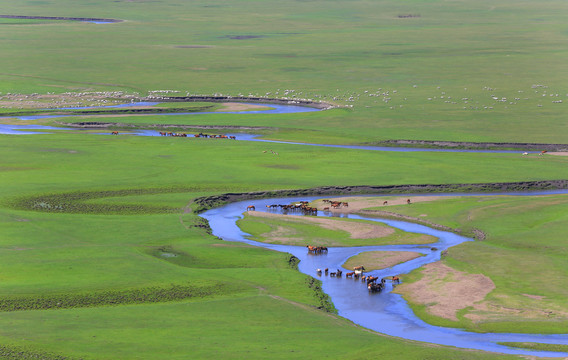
<point>220,327</point>
<point>302,232</point>
<point>323,50</point>
<point>523,254</point>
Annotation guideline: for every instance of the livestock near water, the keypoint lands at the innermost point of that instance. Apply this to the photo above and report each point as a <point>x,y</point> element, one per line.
<point>114,133</point>
<point>316,249</point>
<point>335,204</point>
<point>200,135</point>
<point>251,208</point>
<point>371,282</point>
<point>301,208</point>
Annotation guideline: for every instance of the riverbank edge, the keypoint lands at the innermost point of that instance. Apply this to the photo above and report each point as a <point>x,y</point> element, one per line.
<point>26,17</point>
<point>465,145</point>
<point>204,203</point>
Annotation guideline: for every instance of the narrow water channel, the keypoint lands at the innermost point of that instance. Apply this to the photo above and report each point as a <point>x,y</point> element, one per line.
<point>383,312</point>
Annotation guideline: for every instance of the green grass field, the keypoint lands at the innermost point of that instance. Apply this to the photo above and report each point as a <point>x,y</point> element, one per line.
<point>100,254</point>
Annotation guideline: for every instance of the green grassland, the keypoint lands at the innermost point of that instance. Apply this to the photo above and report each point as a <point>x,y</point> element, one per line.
<point>101,256</point>
<point>332,51</point>
<point>523,253</point>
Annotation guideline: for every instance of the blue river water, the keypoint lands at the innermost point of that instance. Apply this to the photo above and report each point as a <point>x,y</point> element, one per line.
<point>274,109</point>
<point>383,312</point>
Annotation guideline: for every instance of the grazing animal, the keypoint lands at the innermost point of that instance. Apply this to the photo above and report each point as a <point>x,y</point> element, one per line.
<point>339,272</point>
<point>233,137</point>
<point>332,274</point>
<point>395,279</point>
<point>349,274</point>
<point>318,271</point>
<point>114,133</point>
<point>408,201</point>
<point>326,270</point>
<point>543,152</point>
<point>525,153</point>
<point>251,208</point>
<point>385,202</point>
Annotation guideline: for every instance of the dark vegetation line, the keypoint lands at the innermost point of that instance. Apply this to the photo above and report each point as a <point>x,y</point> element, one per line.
<point>322,298</point>
<point>58,18</point>
<point>118,126</point>
<point>208,202</point>
<point>107,111</point>
<point>11,352</point>
<point>73,202</point>
<point>470,145</point>
<point>174,292</point>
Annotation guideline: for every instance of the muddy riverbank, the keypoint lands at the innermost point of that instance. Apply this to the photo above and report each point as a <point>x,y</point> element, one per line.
<point>473,145</point>
<point>208,202</point>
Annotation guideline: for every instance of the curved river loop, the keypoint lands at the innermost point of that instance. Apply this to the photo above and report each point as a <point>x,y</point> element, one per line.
<point>384,312</point>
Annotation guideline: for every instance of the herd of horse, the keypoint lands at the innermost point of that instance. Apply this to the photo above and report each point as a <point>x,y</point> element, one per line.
<point>200,135</point>
<point>316,249</point>
<point>301,207</point>
<point>372,282</point>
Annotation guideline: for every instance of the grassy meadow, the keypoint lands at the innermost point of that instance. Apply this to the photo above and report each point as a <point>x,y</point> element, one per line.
<point>523,253</point>
<point>101,256</point>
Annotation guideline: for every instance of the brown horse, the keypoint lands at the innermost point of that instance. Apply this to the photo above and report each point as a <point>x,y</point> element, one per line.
<point>251,208</point>
<point>408,201</point>
<point>114,133</point>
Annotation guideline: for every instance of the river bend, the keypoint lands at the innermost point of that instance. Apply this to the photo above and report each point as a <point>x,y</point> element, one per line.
<point>383,312</point>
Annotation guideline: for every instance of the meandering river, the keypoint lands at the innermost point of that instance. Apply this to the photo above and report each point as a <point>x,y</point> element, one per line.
<point>23,129</point>
<point>383,312</point>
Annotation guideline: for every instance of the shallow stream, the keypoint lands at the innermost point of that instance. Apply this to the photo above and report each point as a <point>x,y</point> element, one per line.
<point>383,312</point>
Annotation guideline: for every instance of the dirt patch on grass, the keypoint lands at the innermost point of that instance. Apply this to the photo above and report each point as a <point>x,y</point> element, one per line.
<point>536,297</point>
<point>377,260</point>
<point>559,153</point>
<point>233,106</point>
<point>445,290</point>
<point>356,230</point>
<point>358,204</point>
